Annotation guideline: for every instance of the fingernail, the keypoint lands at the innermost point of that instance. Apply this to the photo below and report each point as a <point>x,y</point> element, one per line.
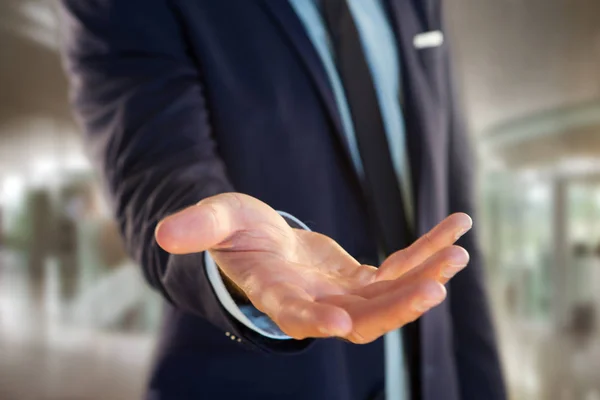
<point>458,260</point>
<point>467,225</point>
<point>173,226</point>
<point>433,294</point>
<point>450,270</point>
<point>460,234</point>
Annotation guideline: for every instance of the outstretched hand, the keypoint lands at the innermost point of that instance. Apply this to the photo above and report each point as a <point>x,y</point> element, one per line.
<point>307,283</point>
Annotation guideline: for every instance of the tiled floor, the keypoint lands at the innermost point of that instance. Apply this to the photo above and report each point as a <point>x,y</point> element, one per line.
<point>43,357</point>
<point>78,366</point>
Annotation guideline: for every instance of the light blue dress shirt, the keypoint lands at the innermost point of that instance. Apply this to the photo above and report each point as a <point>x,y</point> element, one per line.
<point>379,44</point>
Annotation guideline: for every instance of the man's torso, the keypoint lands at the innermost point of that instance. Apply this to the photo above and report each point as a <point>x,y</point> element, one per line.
<point>279,133</point>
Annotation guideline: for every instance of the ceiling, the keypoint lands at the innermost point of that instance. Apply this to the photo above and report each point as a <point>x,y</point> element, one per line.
<point>520,57</point>
<point>31,75</point>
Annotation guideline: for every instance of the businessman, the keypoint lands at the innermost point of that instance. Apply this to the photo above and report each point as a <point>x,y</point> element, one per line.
<point>279,169</point>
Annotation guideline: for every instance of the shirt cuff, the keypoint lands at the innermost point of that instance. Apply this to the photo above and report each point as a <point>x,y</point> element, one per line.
<point>248,315</point>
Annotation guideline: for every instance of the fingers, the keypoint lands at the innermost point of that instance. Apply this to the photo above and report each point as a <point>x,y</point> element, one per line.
<point>299,316</point>
<point>196,228</point>
<point>387,305</point>
<point>370,312</point>
<point>440,267</point>
<point>442,235</point>
<point>372,318</point>
<point>301,319</point>
<point>210,222</point>
<point>375,317</point>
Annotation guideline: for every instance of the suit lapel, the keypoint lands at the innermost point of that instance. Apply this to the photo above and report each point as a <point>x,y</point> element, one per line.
<point>422,112</point>
<point>291,26</point>
<point>424,117</point>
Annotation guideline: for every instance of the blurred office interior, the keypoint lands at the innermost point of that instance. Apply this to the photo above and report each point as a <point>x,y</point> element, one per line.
<point>78,322</point>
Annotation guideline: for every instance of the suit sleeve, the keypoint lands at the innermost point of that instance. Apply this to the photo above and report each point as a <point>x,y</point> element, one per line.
<point>478,363</point>
<point>140,100</point>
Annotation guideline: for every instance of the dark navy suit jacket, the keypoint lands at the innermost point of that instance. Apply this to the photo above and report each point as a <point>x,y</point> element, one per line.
<point>184,99</point>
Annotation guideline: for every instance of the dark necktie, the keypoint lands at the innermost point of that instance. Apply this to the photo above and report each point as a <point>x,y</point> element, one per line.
<point>380,181</point>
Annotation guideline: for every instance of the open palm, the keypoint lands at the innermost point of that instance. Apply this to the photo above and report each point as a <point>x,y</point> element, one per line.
<point>308,284</point>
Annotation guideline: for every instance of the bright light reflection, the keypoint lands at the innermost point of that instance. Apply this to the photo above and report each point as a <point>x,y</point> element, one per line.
<point>12,189</point>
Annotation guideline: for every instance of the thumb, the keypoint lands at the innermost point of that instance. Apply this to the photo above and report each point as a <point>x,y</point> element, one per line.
<point>209,223</point>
